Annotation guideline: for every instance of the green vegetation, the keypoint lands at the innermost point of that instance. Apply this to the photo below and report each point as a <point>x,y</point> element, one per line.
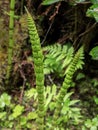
<point>38,68</point>
<point>11,40</point>
<point>49,65</point>
<point>94,53</point>
<point>57,58</point>
<point>65,86</point>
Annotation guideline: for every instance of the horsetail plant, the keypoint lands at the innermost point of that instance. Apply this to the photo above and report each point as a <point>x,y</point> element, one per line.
<point>66,84</point>
<point>11,40</point>
<point>38,68</point>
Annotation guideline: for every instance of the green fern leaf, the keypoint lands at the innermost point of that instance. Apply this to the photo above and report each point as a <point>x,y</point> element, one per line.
<point>66,85</point>
<point>94,53</point>
<point>49,2</point>
<point>57,58</point>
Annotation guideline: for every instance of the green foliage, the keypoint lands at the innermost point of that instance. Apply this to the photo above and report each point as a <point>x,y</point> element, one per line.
<point>91,124</point>
<point>65,86</point>
<point>38,68</point>
<point>58,58</point>
<point>49,93</point>
<point>30,93</point>
<point>79,1</point>
<point>49,2</point>
<point>49,102</point>
<point>80,76</point>
<point>93,10</point>
<point>4,100</point>
<point>11,40</point>
<point>95,85</point>
<point>50,96</point>
<point>32,115</point>
<point>14,116</point>
<point>94,1</point>
<point>80,61</point>
<point>94,82</point>
<point>17,111</point>
<point>94,53</point>
<point>69,112</point>
<point>75,2</point>
<point>95,99</point>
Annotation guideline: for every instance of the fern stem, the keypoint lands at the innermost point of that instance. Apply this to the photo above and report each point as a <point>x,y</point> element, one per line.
<point>38,68</point>
<point>11,40</point>
<point>64,88</point>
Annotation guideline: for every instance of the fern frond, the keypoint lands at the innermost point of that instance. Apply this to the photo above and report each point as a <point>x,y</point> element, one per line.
<point>38,68</point>
<point>79,64</point>
<point>66,85</point>
<point>57,58</point>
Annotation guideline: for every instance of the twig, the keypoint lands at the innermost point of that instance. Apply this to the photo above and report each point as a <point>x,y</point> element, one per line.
<point>24,82</point>
<point>84,33</point>
<point>56,12</point>
<point>47,33</point>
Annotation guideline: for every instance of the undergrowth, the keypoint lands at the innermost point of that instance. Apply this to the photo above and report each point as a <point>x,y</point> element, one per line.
<point>46,107</point>
<point>47,99</point>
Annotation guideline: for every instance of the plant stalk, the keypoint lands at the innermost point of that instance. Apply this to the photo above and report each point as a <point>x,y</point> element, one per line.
<point>64,88</point>
<point>38,68</point>
<point>11,40</point>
